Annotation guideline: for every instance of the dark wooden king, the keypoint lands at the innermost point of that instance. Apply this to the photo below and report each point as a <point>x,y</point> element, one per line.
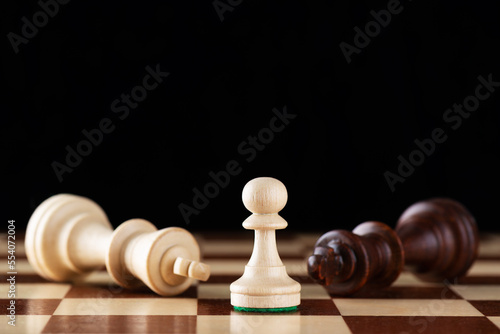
<point>437,239</point>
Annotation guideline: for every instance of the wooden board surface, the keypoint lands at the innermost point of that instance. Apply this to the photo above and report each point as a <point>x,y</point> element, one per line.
<point>96,305</point>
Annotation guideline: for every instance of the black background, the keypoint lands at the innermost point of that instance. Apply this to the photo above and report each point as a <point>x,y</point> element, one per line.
<point>353,119</point>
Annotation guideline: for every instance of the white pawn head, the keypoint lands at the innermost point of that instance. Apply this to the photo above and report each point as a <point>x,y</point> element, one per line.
<point>264,195</point>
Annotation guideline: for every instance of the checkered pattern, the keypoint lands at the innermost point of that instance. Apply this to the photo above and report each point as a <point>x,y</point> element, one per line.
<point>96,305</point>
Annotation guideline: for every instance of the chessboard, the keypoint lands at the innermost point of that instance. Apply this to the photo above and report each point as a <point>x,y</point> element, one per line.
<point>95,304</point>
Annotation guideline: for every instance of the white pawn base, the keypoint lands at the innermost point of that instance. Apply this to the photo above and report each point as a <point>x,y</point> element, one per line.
<point>265,287</point>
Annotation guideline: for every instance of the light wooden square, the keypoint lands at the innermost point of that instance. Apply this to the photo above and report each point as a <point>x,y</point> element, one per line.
<point>122,306</point>
<point>22,266</point>
<point>37,290</point>
<point>313,291</point>
<point>408,279</point>
<point>405,307</point>
<point>214,291</point>
<point>32,324</point>
<point>237,267</point>
<point>485,268</point>
<point>477,292</point>
<point>226,267</point>
<point>255,323</point>
<point>490,246</point>
<point>495,320</point>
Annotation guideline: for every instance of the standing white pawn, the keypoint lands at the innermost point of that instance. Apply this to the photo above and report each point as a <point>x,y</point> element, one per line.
<point>265,284</point>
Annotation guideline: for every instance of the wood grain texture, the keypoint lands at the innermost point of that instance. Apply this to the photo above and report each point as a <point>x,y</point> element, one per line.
<point>97,305</point>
